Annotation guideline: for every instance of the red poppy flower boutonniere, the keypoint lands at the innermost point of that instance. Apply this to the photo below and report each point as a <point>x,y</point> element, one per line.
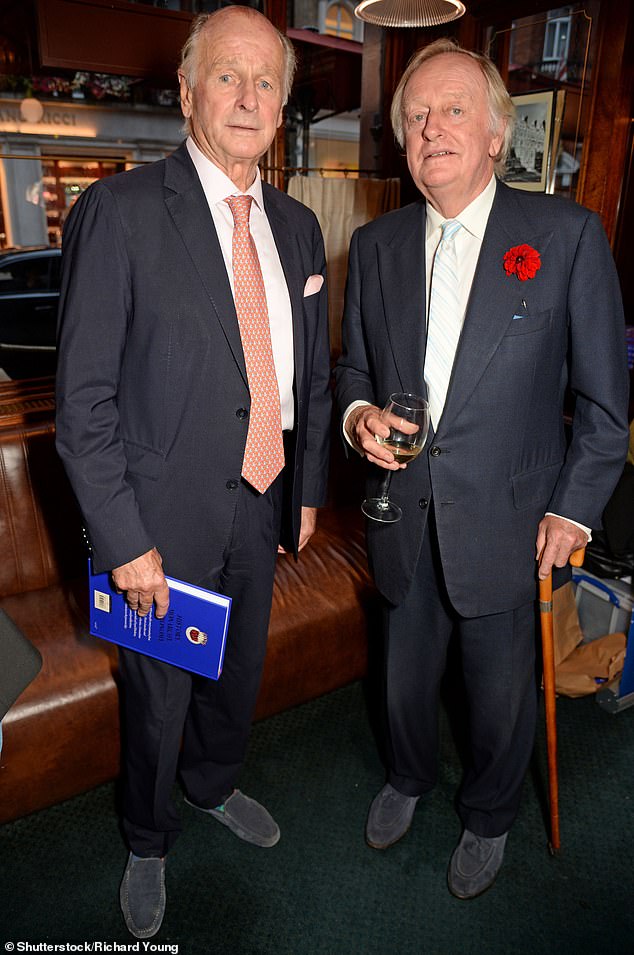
<point>523,261</point>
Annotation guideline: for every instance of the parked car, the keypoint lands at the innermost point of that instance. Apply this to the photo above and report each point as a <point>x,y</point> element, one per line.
<point>29,295</point>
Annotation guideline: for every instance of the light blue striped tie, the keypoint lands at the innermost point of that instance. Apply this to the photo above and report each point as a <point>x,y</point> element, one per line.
<point>445,320</point>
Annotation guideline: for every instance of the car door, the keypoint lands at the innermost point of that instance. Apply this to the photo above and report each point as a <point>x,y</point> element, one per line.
<point>29,294</point>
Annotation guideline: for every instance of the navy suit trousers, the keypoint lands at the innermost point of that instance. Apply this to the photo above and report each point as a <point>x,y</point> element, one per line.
<point>497,654</point>
<point>164,704</point>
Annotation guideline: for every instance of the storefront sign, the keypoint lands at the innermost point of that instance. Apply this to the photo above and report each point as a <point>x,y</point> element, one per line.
<point>55,121</point>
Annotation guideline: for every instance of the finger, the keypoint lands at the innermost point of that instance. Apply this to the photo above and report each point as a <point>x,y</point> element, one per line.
<point>146,599</point>
<point>400,424</point>
<point>540,543</point>
<point>368,439</point>
<point>383,462</point>
<point>374,449</point>
<point>545,568</point>
<point>161,601</point>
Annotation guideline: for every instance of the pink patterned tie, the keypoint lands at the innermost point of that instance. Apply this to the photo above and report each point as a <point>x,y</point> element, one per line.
<point>264,452</point>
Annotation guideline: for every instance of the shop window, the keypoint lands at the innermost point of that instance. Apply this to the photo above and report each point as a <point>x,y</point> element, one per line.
<point>63,181</point>
<point>557,36</point>
<point>338,19</point>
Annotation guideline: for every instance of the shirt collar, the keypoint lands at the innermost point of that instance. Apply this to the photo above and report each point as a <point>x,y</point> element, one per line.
<point>216,183</point>
<point>473,217</point>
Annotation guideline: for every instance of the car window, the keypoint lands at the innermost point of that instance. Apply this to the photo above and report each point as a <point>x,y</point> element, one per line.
<point>25,275</point>
<point>56,263</point>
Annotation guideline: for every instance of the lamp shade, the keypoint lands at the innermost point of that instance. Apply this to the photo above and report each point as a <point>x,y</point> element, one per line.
<point>409,13</point>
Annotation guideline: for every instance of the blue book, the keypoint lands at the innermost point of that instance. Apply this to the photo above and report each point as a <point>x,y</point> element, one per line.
<point>192,635</point>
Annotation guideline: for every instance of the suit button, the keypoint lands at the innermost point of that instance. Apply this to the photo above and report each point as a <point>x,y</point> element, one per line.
<point>423,503</point>
<point>232,485</point>
<point>242,413</point>
<point>435,451</point>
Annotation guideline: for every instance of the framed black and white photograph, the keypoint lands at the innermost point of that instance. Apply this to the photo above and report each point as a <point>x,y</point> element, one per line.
<point>528,165</point>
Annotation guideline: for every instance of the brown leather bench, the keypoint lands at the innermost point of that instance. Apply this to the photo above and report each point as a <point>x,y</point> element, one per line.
<point>62,735</point>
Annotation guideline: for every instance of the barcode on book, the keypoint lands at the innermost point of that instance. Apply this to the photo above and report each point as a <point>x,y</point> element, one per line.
<point>102,601</point>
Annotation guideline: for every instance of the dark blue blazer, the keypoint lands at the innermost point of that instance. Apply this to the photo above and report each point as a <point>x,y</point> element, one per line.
<point>501,458</point>
<point>151,381</point>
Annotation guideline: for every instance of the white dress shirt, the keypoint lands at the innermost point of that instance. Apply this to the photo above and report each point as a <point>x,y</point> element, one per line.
<point>217,187</point>
<point>468,241</point>
<point>473,219</point>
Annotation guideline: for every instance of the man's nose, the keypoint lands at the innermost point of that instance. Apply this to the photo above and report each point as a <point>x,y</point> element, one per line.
<point>433,126</point>
<point>247,96</point>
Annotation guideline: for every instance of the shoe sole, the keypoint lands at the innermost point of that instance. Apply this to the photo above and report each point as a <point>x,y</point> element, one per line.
<point>387,845</point>
<point>476,895</point>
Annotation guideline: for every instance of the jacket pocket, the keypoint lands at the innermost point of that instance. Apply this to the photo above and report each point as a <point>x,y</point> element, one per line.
<point>143,461</point>
<point>535,487</point>
<point>532,322</point>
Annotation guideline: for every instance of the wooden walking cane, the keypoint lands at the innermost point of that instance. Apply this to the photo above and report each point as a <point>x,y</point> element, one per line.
<point>548,663</point>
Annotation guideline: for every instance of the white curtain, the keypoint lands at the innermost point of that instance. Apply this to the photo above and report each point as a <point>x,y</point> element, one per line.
<point>341,205</point>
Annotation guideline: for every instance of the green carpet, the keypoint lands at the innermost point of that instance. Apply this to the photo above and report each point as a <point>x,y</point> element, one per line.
<point>321,891</point>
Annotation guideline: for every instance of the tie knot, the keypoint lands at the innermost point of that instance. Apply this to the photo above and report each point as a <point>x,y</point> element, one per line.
<point>449,229</point>
<point>240,209</point>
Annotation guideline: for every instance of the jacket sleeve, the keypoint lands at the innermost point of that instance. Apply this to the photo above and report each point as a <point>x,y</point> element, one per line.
<point>598,380</point>
<point>352,372</point>
<point>96,306</point>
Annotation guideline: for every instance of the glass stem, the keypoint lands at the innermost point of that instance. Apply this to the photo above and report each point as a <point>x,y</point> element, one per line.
<point>385,489</point>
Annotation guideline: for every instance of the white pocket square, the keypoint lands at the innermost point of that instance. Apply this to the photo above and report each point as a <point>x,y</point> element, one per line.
<point>313,284</point>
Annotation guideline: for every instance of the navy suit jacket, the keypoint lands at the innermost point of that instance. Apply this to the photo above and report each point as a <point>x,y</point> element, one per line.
<point>499,459</point>
<point>151,381</point>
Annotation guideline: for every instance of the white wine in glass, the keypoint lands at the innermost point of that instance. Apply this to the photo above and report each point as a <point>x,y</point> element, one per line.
<point>401,410</point>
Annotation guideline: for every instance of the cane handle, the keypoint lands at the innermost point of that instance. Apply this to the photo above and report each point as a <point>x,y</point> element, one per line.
<point>577,557</point>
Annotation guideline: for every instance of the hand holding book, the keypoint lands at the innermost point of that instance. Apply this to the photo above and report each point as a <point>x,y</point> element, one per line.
<point>143,582</point>
<point>191,634</point>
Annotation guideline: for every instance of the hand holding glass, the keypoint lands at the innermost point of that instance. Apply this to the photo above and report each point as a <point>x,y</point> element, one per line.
<point>407,417</point>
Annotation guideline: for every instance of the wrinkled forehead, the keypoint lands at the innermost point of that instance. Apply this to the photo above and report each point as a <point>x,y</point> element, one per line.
<point>446,74</point>
<point>240,38</point>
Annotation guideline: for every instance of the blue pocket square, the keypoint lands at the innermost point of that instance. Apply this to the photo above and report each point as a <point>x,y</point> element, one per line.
<point>518,316</point>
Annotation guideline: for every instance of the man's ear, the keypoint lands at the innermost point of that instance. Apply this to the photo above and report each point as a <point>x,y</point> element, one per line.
<point>497,141</point>
<point>185,95</point>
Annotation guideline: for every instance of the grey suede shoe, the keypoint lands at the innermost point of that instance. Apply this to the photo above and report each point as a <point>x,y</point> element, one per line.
<point>389,818</point>
<point>246,818</point>
<point>475,864</point>
<point>142,896</point>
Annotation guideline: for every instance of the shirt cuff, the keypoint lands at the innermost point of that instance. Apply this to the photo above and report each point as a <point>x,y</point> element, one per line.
<point>352,407</point>
<point>583,527</point>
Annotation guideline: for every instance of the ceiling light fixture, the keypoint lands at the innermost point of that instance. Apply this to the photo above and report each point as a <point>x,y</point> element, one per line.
<point>409,13</point>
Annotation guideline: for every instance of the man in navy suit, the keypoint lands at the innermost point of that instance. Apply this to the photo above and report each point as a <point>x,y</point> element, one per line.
<point>534,309</point>
<point>154,411</point>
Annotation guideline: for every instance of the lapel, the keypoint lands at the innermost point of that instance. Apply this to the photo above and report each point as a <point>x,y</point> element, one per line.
<point>284,235</point>
<point>495,298</point>
<point>186,204</point>
<point>401,269</point>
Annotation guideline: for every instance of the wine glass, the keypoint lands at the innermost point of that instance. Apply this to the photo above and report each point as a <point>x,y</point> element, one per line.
<point>405,443</point>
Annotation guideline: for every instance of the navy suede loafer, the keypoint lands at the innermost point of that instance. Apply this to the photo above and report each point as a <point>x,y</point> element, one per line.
<point>246,818</point>
<point>389,818</point>
<point>142,896</point>
<point>475,864</point>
